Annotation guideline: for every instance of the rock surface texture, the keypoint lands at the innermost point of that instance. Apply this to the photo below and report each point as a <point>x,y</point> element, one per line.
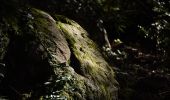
<point>51,58</point>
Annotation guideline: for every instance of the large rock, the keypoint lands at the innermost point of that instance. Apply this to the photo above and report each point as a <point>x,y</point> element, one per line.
<point>36,51</point>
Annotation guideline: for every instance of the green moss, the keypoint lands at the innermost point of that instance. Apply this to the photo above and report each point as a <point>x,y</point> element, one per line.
<point>93,65</point>
<point>70,39</point>
<point>65,20</point>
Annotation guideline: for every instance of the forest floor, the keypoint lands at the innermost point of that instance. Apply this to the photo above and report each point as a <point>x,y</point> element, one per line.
<point>141,75</point>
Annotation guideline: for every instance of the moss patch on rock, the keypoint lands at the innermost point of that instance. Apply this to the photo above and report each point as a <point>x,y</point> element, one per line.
<point>98,75</point>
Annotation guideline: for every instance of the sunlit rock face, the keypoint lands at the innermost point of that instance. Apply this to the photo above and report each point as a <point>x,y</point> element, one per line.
<point>88,62</point>
<point>52,58</point>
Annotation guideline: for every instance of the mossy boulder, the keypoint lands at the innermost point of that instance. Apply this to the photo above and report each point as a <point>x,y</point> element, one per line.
<point>52,58</point>
<point>88,62</point>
